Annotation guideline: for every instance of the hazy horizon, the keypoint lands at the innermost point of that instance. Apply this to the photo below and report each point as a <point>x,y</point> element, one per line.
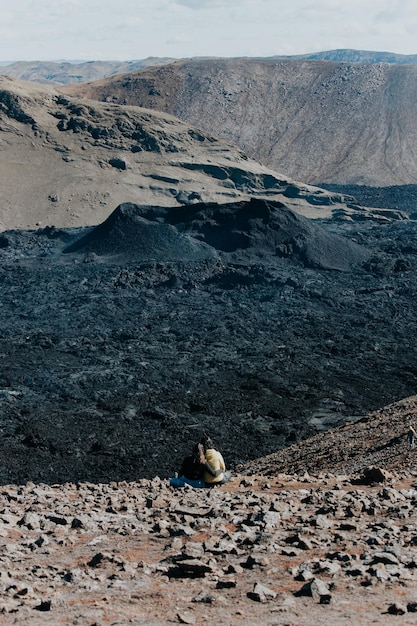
<point>136,29</point>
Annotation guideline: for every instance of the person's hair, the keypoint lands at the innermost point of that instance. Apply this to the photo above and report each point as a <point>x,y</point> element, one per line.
<point>196,449</point>
<point>207,442</point>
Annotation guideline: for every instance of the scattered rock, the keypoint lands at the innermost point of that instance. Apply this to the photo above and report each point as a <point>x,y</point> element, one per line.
<point>317,589</point>
<point>203,564</point>
<point>45,605</point>
<point>397,609</point>
<point>373,475</point>
<point>261,593</point>
<point>189,568</point>
<point>118,163</point>
<point>186,618</point>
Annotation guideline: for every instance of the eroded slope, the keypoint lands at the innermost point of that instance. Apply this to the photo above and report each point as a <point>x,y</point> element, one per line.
<point>67,162</point>
<point>316,121</point>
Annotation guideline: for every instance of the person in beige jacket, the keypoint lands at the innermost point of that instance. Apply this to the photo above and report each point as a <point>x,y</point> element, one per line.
<point>216,473</point>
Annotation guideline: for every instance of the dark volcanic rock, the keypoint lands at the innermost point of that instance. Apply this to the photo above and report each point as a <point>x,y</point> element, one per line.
<point>113,367</point>
<point>126,232</point>
<point>396,197</point>
<point>248,231</point>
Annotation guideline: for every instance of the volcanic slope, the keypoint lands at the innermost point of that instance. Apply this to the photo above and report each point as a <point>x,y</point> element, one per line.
<point>318,121</point>
<point>285,549</point>
<point>246,232</point>
<point>380,439</point>
<point>68,162</point>
<point>262,549</point>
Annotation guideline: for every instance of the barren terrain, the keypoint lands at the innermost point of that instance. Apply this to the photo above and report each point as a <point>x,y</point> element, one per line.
<point>66,162</point>
<point>61,73</point>
<point>123,342</point>
<point>316,121</point>
<point>157,283</point>
<point>302,549</point>
<point>67,72</point>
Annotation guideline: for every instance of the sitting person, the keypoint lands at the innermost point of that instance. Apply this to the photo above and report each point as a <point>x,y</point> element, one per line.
<point>191,469</point>
<point>214,470</point>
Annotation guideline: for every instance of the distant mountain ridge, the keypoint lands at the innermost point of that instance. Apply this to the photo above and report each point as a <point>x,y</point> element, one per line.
<point>67,72</point>
<point>347,55</point>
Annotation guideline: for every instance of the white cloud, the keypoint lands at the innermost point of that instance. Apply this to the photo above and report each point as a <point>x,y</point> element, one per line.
<point>222,5</point>
<point>200,4</point>
<point>132,29</point>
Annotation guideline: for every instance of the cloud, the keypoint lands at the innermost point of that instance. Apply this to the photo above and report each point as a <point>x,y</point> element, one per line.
<point>204,4</point>
<point>134,29</point>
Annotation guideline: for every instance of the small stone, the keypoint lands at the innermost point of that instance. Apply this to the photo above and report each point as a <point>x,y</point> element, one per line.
<point>385,557</point>
<point>339,556</point>
<point>317,589</point>
<point>356,571</point>
<point>328,567</point>
<point>226,584</point>
<point>203,597</point>
<point>374,475</point>
<point>272,519</point>
<point>320,591</point>
<point>302,572</point>
<point>300,542</point>
<point>45,605</point>
<point>118,163</point>
<point>322,521</point>
<point>30,520</point>
<point>397,609</point>
<point>190,568</point>
<point>186,618</point>
<point>97,558</point>
<point>76,523</point>
<point>57,520</point>
<point>193,550</point>
<point>261,593</point>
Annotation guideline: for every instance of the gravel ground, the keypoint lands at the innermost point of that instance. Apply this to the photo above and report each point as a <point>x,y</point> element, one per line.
<point>292,550</point>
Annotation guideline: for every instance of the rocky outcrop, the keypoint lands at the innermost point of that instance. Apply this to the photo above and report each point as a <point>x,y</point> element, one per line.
<point>370,446</point>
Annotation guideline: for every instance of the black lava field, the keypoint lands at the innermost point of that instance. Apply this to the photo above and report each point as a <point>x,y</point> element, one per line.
<point>122,343</point>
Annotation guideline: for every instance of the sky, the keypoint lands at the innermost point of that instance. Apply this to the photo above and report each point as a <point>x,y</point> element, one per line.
<point>136,29</point>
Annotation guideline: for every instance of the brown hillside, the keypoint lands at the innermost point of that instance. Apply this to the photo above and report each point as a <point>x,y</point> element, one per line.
<point>317,121</point>
<point>378,439</point>
<point>67,162</point>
